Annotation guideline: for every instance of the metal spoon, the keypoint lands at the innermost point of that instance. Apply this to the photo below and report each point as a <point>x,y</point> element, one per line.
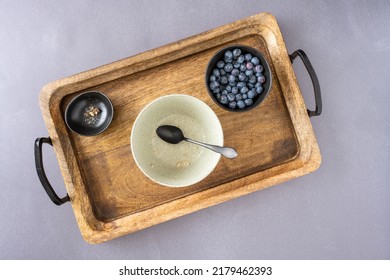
<point>174,135</point>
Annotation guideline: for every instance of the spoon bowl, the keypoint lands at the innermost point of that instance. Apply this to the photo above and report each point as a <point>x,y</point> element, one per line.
<point>170,134</point>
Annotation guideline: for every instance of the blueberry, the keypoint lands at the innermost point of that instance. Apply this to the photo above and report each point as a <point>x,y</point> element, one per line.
<point>250,86</point>
<point>255,60</point>
<point>238,97</point>
<point>257,84</point>
<point>235,72</point>
<point>228,67</point>
<point>242,67</point>
<point>234,90</point>
<point>228,55</point>
<point>261,79</point>
<point>252,79</point>
<point>248,102</point>
<point>248,57</point>
<point>222,72</point>
<point>259,89</point>
<point>241,104</point>
<point>217,90</point>
<point>229,88</point>
<point>240,85</point>
<point>241,59</point>
<point>224,80</point>
<point>258,74</point>
<point>232,84</point>
<point>249,65</point>
<point>212,78</point>
<point>218,96</point>
<point>236,64</point>
<point>231,79</point>
<point>224,92</point>
<point>231,97</point>
<point>244,90</point>
<point>251,93</point>
<point>259,68</point>
<point>216,73</point>
<point>213,85</point>
<point>244,96</point>
<point>236,52</point>
<point>232,105</point>
<point>249,73</point>
<point>220,64</point>
<point>242,77</point>
<point>224,99</point>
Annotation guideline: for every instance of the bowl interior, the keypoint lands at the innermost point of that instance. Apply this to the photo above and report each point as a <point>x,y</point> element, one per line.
<point>176,165</point>
<point>89,113</point>
<point>266,72</point>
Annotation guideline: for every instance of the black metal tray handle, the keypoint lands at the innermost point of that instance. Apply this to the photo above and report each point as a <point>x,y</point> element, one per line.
<point>41,171</point>
<point>314,80</point>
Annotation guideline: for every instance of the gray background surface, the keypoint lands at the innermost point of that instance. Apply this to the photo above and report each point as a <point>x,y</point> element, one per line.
<point>339,212</point>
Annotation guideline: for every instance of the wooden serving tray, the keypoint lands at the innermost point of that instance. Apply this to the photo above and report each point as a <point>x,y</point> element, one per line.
<point>111,197</point>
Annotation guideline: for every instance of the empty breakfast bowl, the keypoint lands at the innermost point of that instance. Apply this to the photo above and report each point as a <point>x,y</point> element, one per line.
<point>182,164</point>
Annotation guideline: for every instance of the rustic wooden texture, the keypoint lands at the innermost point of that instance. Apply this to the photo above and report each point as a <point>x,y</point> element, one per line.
<point>109,194</point>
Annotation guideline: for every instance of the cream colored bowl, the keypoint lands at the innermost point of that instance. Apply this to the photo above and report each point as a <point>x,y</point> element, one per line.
<point>176,165</point>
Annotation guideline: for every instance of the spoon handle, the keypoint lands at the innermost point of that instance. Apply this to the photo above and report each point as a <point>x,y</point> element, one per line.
<point>225,151</point>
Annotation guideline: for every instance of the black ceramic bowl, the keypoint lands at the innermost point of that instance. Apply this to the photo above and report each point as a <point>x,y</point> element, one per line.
<point>89,113</point>
<point>266,72</point>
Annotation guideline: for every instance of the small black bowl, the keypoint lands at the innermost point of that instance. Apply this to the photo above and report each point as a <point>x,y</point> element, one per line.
<point>266,72</point>
<point>89,113</point>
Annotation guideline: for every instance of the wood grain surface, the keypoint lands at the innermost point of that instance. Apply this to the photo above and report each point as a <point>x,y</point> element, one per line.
<point>111,196</point>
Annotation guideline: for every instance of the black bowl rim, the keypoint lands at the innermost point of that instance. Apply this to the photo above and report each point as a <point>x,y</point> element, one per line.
<point>264,94</point>
<point>109,117</point>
